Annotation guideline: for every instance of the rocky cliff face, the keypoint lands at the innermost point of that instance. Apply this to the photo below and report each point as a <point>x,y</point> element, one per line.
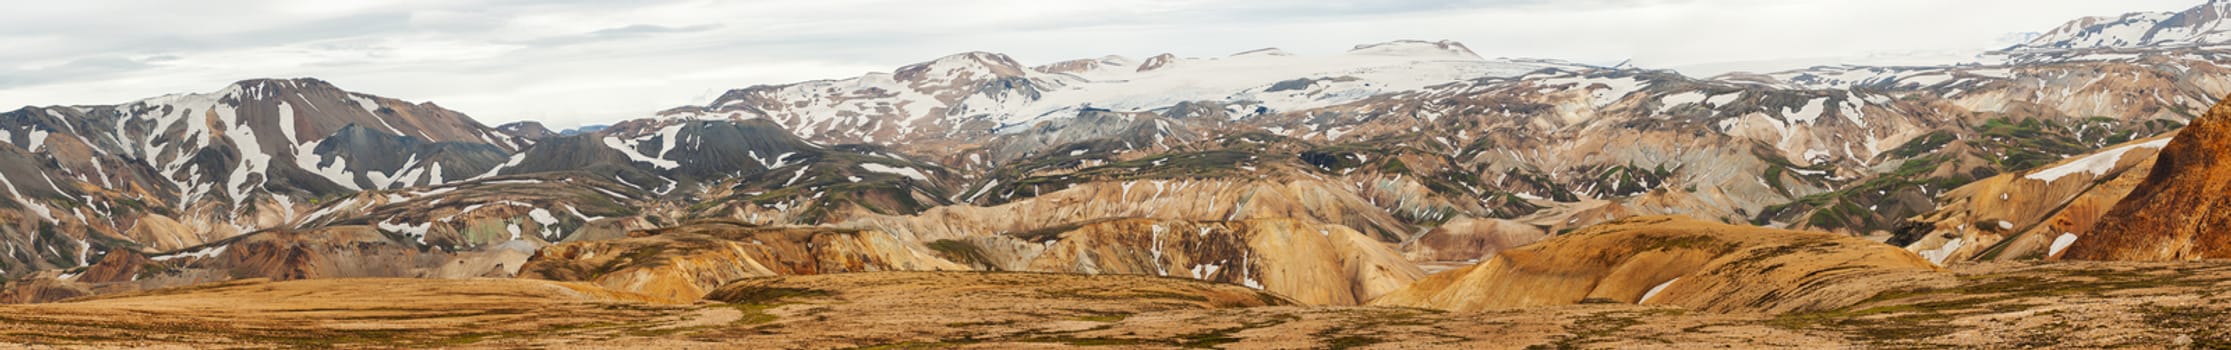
<point>2172,214</point>
<point>1665,260</point>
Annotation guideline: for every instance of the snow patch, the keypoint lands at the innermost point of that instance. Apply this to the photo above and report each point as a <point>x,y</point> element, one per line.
<point>1654,291</point>
<point>1937,256</point>
<point>2061,243</point>
<point>901,171</point>
<point>632,154</point>
<point>2096,164</point>
<point>203,253</point>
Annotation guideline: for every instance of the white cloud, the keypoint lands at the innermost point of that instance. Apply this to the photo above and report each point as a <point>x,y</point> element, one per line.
<point>575,62</point>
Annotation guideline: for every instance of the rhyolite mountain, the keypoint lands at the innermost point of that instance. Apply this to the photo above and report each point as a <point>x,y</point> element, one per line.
<point>2172,214</point>
<point>1426,147</point>
<point>184,173</point>
<point>180,170</point>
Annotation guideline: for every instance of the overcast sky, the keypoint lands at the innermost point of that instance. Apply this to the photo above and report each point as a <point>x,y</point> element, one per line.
<point>573,62</point>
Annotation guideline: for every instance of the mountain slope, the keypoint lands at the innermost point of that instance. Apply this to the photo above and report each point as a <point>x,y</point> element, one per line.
<point>2030,214</point>
<point>2203,25</point>
<point>683,263</point>
<point>2172,215</point>
<point>1667,260</point>
<point>1313,264</point>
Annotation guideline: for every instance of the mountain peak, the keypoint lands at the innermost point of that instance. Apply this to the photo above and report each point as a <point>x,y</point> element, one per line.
<point>1157,62</point>
<point>1416,48</point>
<point>987,63</point>
<point>264,88</point>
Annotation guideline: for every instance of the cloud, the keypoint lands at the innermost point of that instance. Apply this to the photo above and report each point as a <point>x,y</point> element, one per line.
<point>83,68</point>
<point>581,61</point>
<point>626,32</point>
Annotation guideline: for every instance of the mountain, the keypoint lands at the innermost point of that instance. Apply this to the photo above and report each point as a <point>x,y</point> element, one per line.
<point>1430,133</point>
<point>752,170</point>
<point>2199,26</point>
<point>2171,214</point>
<point>683,263</point>
<point>2032,214</point>
<point>1393,140</point>
<point>1313,264</point>
<point>1406,194</point>
<point>978,94</point>
<point>181,170</point>
<point>1669,260</point>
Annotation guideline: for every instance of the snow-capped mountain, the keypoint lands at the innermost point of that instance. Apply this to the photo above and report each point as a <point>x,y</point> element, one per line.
<point>2199,26</point>
<point>980,94</point>
<point>179,170</point>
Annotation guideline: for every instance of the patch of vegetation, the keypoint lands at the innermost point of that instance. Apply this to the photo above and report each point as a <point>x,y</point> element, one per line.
<point>1587,330</point>
<point>943,344</point>
<point>1899,317</point>
<point>959,252</point>
<point>768,295</point>
<point>2025,144</point>
<point>1628,180</point>
<point>1871,205</point>
<point>2203,324</point>
<point>753,313</point>
<point>1530,178</point>
<point>1109,317</point>
<point>1926,144</point>
<point>1353,341</point>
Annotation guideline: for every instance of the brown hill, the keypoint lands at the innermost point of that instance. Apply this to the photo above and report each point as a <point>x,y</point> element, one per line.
<point>1312,263</point>
<point>1668,260</point>
<point>2181,210</point>
<point>683,263</point>
<point>1469,240</point>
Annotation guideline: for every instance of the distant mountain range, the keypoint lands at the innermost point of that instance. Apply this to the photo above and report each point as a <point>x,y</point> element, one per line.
<point>1424,147</point>
<point>2200,26</point>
